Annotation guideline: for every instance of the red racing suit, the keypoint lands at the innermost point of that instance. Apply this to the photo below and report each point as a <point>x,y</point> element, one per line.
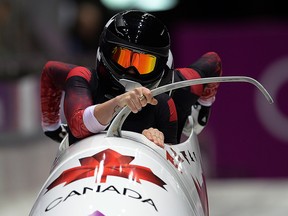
<point>83,88</point>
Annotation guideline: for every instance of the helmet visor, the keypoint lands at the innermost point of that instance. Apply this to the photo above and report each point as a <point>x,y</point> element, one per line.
<point>143,62</point>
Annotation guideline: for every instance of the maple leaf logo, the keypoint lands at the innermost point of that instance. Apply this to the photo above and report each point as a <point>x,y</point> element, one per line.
<point>97,213</point>
<point>111,163</point>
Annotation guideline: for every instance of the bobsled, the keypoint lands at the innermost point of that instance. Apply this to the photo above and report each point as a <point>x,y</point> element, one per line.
<point>121,173</point>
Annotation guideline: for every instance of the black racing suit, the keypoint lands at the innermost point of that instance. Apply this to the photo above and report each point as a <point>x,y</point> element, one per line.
<point>83,88</point>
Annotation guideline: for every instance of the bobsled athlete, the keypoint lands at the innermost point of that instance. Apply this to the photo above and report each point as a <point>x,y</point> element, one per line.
<point>133,58</point>
<point>194,103</point>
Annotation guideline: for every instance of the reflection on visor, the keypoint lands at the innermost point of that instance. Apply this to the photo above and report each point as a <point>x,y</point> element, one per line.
<point>144,63</point>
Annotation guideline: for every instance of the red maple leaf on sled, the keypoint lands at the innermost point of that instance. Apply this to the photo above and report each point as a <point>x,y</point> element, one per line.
<point>113,163</point>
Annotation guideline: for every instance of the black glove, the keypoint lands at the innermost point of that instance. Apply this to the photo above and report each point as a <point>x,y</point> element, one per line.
<point>58,134</point>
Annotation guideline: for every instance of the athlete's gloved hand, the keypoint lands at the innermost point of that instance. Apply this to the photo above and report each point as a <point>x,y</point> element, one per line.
<point>208,96</point>
<point>58,134</point>
<point>213,69</point>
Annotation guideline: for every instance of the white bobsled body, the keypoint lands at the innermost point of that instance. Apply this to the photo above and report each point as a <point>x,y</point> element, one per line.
<point>130,175</point>
<point>121,173</point>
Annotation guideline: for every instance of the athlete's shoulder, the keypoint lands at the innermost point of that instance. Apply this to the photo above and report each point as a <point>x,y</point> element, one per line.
<point>80,71</point>
<point>187,73</point>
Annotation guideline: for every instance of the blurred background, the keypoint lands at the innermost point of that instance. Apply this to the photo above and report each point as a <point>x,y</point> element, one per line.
<point>245,144</point>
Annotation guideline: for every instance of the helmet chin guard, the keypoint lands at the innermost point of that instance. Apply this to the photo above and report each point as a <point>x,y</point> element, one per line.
<point>129,84</point>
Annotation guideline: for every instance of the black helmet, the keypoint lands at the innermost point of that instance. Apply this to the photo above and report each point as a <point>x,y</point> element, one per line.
<point>138,41</point>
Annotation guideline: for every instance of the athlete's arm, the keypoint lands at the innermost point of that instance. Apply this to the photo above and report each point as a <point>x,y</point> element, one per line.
<point>51,87</point>
<point>85,118</point>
